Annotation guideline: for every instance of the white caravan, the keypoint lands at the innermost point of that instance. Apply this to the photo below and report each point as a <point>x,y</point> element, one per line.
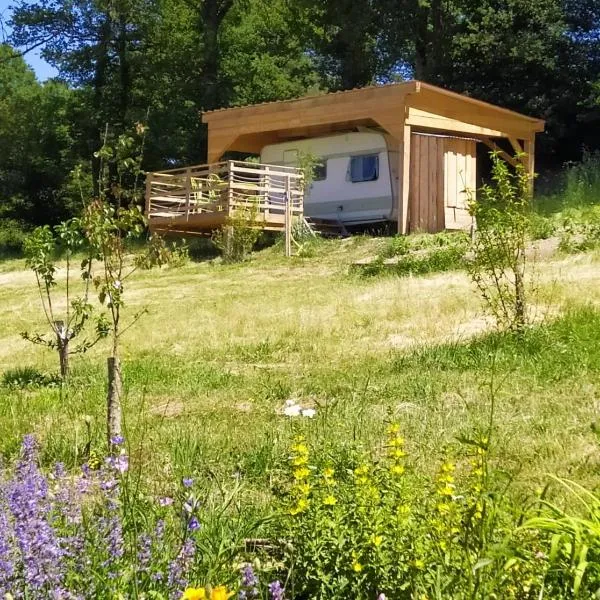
<point>353,182</point>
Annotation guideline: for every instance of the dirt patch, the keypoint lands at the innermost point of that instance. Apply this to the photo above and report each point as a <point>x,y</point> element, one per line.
<point>168,410</point>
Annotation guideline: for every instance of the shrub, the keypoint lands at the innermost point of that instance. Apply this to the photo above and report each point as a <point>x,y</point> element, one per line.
<point>498,261</point>
<point>158,253</point>
<point>12,238</point>
<point>241,232</point>
<point>581,233</point>
<point>582,181</point>
<point>373,529</point>
<point>421,254</point>
<point>23,377</point>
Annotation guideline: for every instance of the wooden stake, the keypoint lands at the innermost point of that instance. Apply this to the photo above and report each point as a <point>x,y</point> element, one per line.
<point>113,400</point>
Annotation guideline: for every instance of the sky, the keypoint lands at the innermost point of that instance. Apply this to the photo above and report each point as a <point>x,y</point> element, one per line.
<point>42,69</point>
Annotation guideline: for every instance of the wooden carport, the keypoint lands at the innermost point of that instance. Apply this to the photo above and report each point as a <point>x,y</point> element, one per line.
<point>401,109</point>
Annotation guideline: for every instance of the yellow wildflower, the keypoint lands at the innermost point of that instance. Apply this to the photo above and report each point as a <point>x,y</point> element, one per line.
<point>447,490</point>
<point>220,593</point>
<point>443,507</point>
<point>418,564</point>
<point>301,506</point>
<point>377,540</point>
<point>328,473</point>
<point>393,429</point>
<point>301,473</point>
<point>300,460</point>
<point>329,500</point>
<point>396,442</point>
<point>362,470</point>
<point>194,594</point>
<point>397,469</point>
<point>303,488</point>
<point>300,449</point>
<point>446,479</point>
<point>357,567</point>
<point>448,467</point>
<point>397,453</point>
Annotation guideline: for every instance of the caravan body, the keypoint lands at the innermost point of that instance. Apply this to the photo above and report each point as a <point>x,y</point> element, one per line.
<point>353,182</point>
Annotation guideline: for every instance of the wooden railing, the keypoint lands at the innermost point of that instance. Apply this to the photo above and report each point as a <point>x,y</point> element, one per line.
<point>273,191</point>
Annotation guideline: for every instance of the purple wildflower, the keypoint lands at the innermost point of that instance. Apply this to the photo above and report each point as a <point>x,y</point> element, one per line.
<point>119,463</point>
<point>187,482</point>
<point>38,546</point>
<point>276,590</point>
<point>7,566</point>
<point>193,524</point>
<point>179,567</point>
<point>165,501</point>
<point>117,440</point>
<point>144,554</point>
<point>249,583</point>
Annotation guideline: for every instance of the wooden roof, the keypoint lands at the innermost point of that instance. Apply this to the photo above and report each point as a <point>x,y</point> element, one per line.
<point>422,106</point>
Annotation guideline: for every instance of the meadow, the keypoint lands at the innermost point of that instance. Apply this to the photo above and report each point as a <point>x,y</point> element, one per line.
<point>227,356</point>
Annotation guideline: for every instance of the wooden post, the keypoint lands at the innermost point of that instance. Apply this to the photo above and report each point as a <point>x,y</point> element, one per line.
<point>404,181</point>
<point>113,399</point>
<point>188,192</point>
<point>148,194</point>
<point>267,184</point>
<point>288,217</point>
<point>529,149</point>
<point>230,183</point>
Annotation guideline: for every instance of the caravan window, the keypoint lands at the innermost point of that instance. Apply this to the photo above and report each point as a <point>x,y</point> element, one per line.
<point>364,168</point>
<point>320,170</point>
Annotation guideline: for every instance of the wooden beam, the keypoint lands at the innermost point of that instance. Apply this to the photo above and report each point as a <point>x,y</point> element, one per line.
<point>404,181</point>
<point>505,155</point>
<point>427,120</point>
<point>516,145</point>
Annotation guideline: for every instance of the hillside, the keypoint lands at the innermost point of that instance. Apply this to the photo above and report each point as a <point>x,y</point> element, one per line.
<point>223,347</point>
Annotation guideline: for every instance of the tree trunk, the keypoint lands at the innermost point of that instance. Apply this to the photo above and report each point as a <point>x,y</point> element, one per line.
<point>113,400</point>
<point>62,343</point>
<point>98,84</point>
<point>520,316</point>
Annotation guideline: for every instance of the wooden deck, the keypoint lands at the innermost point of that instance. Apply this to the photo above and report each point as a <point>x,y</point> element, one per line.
<point>201,199</point>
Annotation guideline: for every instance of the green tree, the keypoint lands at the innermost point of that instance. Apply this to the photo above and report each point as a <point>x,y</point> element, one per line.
<point>36,138</point>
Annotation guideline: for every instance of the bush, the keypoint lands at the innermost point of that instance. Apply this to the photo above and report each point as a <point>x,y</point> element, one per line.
<point>24,377</point>
<point>581,233</point>
<point>582,181</point>
<point>373,529</point>
<point>12,238</point>
<point>498,264</point>
<point>421,254</point>
<point>238,237</point>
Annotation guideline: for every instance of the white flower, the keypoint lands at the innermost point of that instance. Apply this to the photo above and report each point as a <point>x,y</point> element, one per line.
<point>292,410</point>
<point>309,412</point>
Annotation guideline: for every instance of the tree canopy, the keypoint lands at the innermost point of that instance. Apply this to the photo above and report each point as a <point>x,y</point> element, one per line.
<point>164,61</point>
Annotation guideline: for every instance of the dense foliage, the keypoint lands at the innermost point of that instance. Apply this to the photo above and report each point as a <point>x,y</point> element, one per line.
<point>119,62</point>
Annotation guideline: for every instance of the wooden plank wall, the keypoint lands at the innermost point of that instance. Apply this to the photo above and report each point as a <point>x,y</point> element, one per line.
<point>426,183</point>
<point>460,177</point>
<point>441,169</point>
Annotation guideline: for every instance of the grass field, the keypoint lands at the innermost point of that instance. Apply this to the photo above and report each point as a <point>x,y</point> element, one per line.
<point>210,367</point>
